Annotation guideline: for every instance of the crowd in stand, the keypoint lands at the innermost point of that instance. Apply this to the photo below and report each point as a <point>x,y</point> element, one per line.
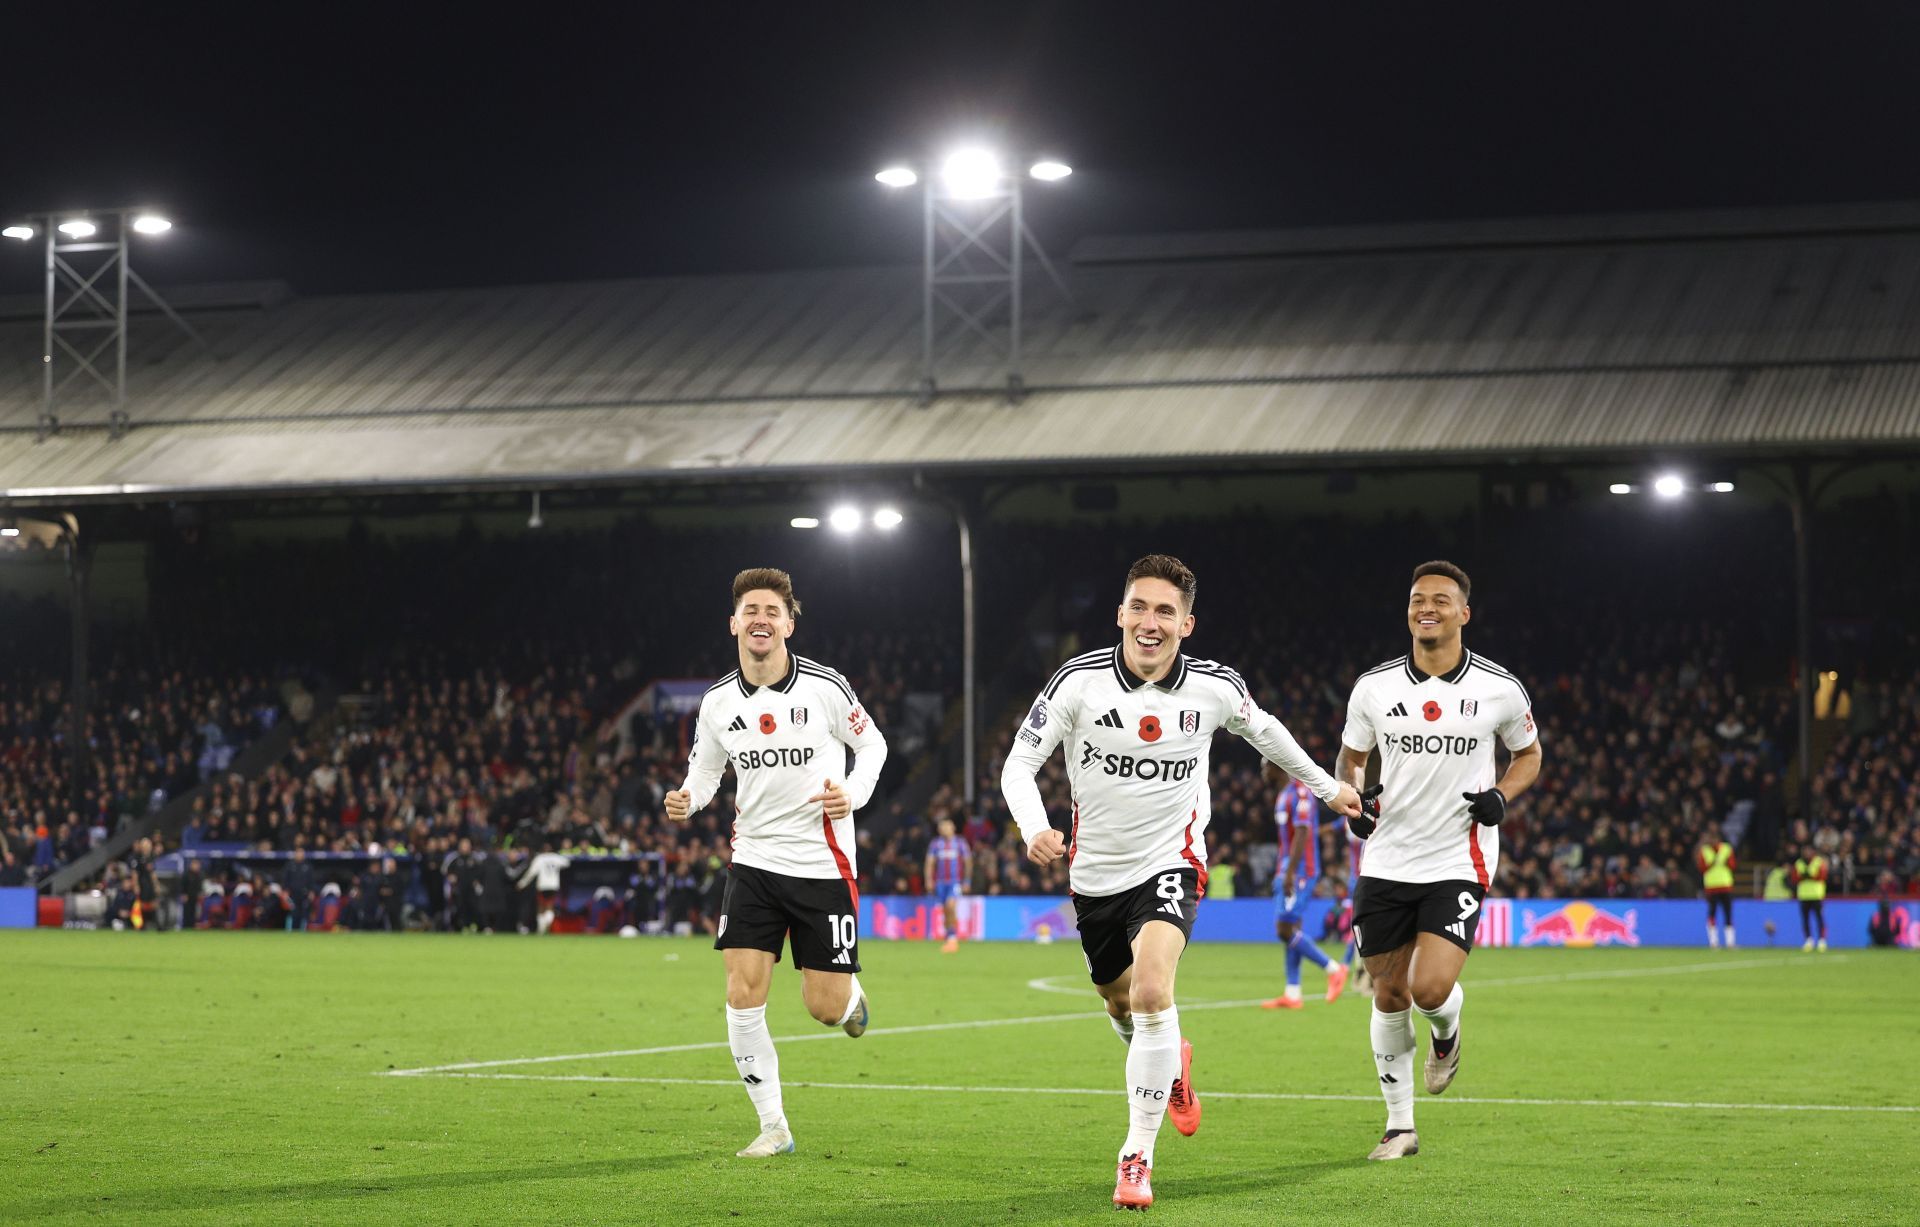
<point>508,734</point>
<point>152,735</point>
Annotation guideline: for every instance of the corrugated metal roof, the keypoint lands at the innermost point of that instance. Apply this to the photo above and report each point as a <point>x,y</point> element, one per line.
<point>1365,343</point>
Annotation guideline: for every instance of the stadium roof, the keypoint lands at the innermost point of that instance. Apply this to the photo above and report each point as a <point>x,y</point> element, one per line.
<point>1739,334</point>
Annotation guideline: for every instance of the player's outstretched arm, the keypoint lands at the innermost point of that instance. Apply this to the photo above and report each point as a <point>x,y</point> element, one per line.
<point>1352,770</point>
<point>1265,733</point>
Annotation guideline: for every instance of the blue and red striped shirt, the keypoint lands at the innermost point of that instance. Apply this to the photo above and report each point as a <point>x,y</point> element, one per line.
<point>1297,815</point>
<point>951,858</point>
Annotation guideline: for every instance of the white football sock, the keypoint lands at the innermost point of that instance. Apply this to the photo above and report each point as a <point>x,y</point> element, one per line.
<point>1122,1029</point>
<point>1729,937</point>
<point>1713,935</point>
<point>1292,993</point>
<point>546,921</point>
<point>1394,1046</point>
<point>1446,1019</point>
<point>853,1000</point>
<point>755,1062</point>
<point>1153,1062</point>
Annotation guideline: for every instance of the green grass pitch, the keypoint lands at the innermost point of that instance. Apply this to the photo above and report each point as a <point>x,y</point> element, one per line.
<point>244,1078</point>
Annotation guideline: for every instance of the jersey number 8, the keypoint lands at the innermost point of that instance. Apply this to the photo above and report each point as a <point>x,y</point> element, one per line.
<point>1170,887</point>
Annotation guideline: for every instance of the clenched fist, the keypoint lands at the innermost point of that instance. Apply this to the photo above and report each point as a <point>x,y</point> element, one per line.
<point>679,804</point>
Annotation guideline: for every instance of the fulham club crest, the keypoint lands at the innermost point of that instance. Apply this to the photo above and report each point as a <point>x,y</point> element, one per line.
<point>1190,722</point>
<point>1468,707</point>
<point>799,717</point>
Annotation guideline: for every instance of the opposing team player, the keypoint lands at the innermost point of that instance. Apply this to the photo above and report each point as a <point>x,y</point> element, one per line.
<point>785,723</point>
<point>1296,873</point>
<point>1137,720</point>
<point>949,861</point>
<point>1432,827</point>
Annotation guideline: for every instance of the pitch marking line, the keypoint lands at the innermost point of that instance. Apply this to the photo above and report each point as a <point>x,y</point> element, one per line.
<point>1261,1095</point>
<point>976,1024</point>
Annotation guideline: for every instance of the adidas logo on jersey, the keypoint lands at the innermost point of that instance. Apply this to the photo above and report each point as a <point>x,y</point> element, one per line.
<point>845,956</point>
<point>739,725</point>
<point>1111,720</point>
<point>1171,908</point>
<point>1399,709</point>
<point>1459,929</point>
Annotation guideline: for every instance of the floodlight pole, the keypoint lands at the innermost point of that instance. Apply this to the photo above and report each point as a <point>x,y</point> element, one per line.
<point>87,309</point>
<point>972,268</point>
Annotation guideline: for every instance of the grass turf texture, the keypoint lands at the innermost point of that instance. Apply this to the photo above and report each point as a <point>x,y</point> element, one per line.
<point>242,1077</point>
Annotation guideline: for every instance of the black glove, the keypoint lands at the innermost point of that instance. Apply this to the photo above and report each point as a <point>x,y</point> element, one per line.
<point>1362,827</point>
<point>1488,808</point>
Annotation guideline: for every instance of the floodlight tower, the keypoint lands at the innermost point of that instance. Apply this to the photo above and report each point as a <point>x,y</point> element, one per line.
<point>86,308</point>
<point>972,256</point>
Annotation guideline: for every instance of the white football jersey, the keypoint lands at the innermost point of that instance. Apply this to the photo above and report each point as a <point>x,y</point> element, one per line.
<point>785,741</point>
<point>1136,755</point>
<point>1435,736</point>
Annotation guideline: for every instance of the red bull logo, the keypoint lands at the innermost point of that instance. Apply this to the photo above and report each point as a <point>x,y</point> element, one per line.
<point>1579,924</point>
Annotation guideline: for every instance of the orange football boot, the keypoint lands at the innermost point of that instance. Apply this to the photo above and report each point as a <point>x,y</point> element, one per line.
<point>1336,981</point>
<point>1132,1186</point>
<point>1183,1102</point>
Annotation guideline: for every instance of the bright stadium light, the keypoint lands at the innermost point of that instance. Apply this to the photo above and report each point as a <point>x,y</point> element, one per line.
<point>898,176</point>
<point>1669,485</point>
<point>887,518</point>
<point>78,228</point>
<point>805,521</point>
<point>152,223</point>
<point>1050,170</point>
<point>23,233</point>
<point>1619,487</point>
<point>971,174</point>
<point>844,519</point>
<point>9,531</point>
<point>1721,487</point>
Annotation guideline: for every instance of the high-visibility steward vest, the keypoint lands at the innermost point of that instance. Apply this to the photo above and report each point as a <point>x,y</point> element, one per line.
<point>1718,874</point>
<point>1810,886</point>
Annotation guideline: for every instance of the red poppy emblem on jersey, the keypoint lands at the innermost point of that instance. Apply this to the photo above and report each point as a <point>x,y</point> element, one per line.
<point>1430,710</point>
<point>1149,728</point>
<point>767,724</point>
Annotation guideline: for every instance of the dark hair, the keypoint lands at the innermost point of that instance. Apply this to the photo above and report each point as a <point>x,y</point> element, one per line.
<point>1169,568</point>
<point>1442,567</point>
<point>771,578</point>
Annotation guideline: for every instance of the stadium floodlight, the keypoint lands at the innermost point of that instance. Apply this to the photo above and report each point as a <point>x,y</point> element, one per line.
<point>1669,485</point>
<point>1721,487</point>
<point>805,521</point>
<point>971,174</point>
<point>1050,170</point>
<point>9,531</point>
<point>152,223</point>
<point>845,518</point>
<point>23,233</point>
<point>898,176</point>
<point>1620,487</point>
<point>887,518</point>
<point>78,228</point>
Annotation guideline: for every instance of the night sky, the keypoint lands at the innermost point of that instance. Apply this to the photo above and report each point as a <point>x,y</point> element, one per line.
<point>350,149</point>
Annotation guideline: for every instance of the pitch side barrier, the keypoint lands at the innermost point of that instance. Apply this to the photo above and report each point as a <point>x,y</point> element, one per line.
<point>1576,923</point>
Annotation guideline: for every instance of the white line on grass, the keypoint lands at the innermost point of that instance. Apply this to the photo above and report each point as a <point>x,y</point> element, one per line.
<point>1679,1104</point>
<point>978,1023</point>
<point>1045,984</point>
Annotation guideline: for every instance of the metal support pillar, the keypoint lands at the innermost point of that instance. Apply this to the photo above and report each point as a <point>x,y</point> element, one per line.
<point>968,748</point>
<point>79,751</point>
